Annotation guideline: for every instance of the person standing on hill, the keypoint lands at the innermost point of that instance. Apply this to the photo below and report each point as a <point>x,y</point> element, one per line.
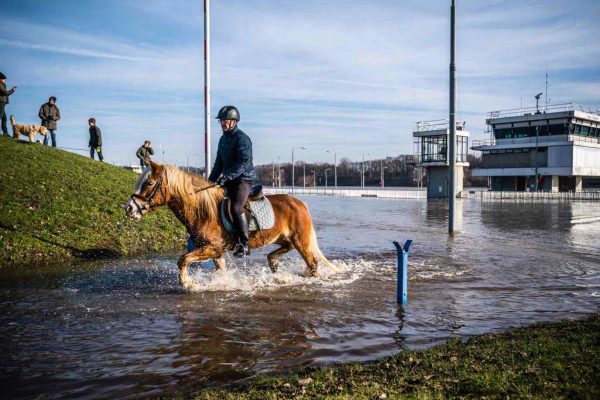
<point>4,101</point>
<point>95,143</point>
<point>49,114</point>
<point>145,153</point>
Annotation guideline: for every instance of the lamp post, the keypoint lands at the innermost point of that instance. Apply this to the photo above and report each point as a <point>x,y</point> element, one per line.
<point>278,172</point>
<point>314,178</point>
<point>382,175</point>
<point>326,169</point>
<point>334,167</point>
<point>362,180</point>
<point>303,174</point>
<point>293,166</point>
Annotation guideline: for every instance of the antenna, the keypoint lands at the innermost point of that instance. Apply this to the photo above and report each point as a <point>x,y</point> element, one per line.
<point>537,102</point>
<point>546,109</point>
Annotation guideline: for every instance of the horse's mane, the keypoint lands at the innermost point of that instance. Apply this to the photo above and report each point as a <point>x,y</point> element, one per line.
<point>204,204</point>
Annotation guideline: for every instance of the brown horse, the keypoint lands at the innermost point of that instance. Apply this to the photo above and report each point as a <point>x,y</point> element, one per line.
<point>196,204</point>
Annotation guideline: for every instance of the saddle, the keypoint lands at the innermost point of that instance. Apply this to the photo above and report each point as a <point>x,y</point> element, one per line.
<point>259,211</point>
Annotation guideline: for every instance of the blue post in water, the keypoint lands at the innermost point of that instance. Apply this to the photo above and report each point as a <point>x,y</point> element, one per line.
<point>402,288</point>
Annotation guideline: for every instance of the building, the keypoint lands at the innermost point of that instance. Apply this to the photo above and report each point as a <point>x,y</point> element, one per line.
<point>556,147</point>
<point>134,167</point>
<point>432,153</point>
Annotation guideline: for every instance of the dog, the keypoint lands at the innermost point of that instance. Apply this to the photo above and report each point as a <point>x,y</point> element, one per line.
<point>27,130</point>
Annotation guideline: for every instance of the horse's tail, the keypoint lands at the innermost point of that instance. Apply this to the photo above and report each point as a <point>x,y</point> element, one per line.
<point>314,249</point>
<point>12,120</point>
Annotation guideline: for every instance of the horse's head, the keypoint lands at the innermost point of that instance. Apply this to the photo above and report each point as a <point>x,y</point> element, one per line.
<point>150,192</point>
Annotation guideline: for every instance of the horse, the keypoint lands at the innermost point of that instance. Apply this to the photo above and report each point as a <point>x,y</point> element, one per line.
<point>196,204</point>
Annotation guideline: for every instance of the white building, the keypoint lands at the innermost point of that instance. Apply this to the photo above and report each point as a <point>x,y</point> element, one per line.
<point>559,145</point>
<point>431,152</point>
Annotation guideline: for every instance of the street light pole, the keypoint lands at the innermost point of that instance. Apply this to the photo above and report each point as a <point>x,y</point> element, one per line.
<point>334,167</point>
<point>452,144</point>
<point>206,88</point>
<point>278,172</point>
<point>303,174</point>
<point>362,183</point>
<point>294,165</point>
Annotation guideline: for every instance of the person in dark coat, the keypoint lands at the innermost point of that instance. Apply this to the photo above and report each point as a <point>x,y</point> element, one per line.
<point>233,170</point>
<point>4,101</point>
<point>145,153</point>
<point>95,143</point>
<point>49,114</point>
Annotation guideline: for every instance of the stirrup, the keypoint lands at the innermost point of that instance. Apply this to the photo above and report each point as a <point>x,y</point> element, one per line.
<point>241,251</point>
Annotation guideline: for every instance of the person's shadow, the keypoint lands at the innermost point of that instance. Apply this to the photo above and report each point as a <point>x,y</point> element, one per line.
<point>84,254</point>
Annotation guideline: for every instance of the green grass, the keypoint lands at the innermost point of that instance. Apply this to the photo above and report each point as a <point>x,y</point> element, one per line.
<point>543,361</point>
<point>55,205</point>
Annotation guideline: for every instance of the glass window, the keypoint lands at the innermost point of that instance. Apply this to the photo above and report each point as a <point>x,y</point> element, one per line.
<point>558,129</point>
<point>584,131</point>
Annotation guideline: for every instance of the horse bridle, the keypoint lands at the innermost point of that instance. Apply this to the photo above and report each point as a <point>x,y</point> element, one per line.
<point>148,199</point>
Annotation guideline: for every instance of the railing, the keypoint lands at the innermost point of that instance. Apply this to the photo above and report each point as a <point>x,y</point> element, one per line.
<point>512,164</point>
<point>532,196</point>
<point>532,139</point>
<point>389,193</point>
<point>515,112</point>
<point>437,124</point>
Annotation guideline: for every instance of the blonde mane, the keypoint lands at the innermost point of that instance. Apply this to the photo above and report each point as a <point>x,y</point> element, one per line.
<point>201,205</point>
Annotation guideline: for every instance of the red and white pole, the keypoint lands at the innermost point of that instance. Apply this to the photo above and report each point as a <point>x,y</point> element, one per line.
<point>207,157</point>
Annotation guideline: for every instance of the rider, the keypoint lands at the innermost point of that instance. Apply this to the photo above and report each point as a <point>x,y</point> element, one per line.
<point>233,170</point>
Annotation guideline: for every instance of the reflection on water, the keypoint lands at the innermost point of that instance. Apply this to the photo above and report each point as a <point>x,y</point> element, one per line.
<point>124,328</point>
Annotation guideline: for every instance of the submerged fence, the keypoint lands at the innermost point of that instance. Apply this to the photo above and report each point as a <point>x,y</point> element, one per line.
<point>533,196</point>
<point>346,192</point>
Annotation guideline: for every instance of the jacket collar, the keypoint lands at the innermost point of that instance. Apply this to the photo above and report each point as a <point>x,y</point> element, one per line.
<point>231,132</point>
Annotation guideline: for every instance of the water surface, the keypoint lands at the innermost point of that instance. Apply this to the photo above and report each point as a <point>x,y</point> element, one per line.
<point>124,328</point>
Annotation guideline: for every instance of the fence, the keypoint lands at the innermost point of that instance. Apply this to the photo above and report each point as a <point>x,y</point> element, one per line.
<point>532,196</point>
<point>380,193</point>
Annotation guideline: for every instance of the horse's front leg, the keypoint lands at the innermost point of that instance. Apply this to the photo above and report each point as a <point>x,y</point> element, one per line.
<point>199,254</point>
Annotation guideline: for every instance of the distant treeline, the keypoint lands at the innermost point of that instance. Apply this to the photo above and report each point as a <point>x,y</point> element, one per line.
<point>397,171</point>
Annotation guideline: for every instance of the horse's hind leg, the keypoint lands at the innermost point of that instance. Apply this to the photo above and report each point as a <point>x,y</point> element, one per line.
<point>220,264</point>
<point>302,243</point>
<point>274,255</point>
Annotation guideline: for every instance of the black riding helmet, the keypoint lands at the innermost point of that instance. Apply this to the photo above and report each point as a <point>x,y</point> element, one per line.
<point>229,112</point>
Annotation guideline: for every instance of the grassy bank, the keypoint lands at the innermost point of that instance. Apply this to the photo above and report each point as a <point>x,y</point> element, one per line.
<point>557,360</point>
<point>55,205</point>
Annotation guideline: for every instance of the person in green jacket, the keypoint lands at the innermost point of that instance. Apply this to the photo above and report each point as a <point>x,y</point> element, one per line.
<point>4,101</point>
<point>49,114</point>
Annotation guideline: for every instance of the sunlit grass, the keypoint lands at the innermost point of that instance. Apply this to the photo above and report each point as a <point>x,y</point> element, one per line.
<point>55,205</point>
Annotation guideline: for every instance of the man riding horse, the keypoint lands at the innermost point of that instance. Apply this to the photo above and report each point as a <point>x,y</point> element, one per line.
<point>234,171</point>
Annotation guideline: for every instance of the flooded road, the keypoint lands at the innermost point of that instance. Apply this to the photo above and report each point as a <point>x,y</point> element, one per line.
<point>124,328</point>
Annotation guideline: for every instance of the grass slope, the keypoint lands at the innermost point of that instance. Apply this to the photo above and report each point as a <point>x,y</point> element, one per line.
<point>55,205</point>
<point>543,361</point>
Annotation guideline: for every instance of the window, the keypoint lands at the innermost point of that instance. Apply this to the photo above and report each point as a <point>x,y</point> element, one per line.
<point>558,129</point>
<point>433,148</point>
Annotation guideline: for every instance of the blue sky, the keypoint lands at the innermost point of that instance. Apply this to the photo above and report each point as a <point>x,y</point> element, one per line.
<point>350,76</point>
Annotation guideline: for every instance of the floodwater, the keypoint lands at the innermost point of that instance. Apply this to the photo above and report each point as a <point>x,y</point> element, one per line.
<point>124,328</point>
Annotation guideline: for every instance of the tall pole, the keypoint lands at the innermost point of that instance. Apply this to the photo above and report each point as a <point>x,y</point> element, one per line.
<point>362,175</point>
<point>206,88</point>
<point>326,169</point>
<point>334,167</point>
<point>304,174</point>
<point>382,176</point>
<point>293,164</point>
<point>278,172</point>
<point>273,180</point>
<point>452,144</point>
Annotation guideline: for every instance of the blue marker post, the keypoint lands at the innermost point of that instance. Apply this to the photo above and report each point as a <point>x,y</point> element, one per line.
<point>402,287</point>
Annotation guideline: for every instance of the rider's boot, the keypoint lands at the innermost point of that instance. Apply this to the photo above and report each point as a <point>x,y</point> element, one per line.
<point>241,249</point>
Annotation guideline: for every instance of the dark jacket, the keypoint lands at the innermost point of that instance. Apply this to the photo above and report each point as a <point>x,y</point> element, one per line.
<point>95,137</point>
<point>234,157</point>
<point>49,114</point>
<point>5,93</point>
<point>144,153</point>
